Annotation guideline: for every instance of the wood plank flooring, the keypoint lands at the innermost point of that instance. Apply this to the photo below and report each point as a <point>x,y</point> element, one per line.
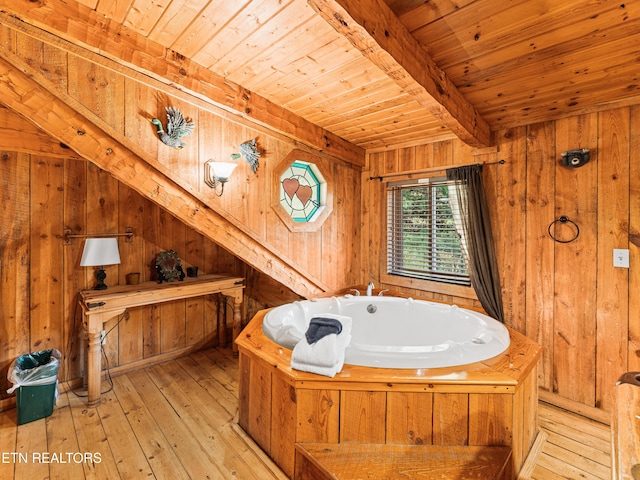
<point>575,447</point>
<point>176,420</point>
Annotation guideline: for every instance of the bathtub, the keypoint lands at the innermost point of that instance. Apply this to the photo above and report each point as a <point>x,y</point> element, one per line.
<point>488,402</point>
<point>394,332</point>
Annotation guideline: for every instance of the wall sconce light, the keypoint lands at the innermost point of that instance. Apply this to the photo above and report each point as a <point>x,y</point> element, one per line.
<point>216,174</point>
<point>99,252</point>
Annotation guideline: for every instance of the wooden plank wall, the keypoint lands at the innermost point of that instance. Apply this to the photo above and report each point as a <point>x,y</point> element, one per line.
<point>567,296</point>
<point>126,100</point>
<point>42,195</point>
<point>41,276</point>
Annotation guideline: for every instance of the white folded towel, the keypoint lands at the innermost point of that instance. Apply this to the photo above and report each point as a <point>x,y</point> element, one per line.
<point>289,336</point>
<point>326,371</point>
<point>323,353</point>
<point>326,356</point>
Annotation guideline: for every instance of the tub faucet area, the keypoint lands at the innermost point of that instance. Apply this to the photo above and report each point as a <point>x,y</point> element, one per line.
<point>369,291</point>
<point>370,288</point>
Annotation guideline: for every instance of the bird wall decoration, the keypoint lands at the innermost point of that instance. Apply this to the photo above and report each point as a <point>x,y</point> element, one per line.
<point>249,150</point>
<point>177,128</point>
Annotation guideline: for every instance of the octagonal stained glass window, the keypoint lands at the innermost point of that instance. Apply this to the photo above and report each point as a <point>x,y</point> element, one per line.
<point>303,191</point>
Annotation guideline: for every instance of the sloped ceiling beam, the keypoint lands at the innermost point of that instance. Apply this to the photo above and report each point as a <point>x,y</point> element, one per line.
<point>372,27</point>
<point>28,93</point>
<point>20,135</point>
<point>79,24</point>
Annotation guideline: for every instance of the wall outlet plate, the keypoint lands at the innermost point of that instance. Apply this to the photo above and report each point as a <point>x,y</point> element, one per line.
<point>621,257</point>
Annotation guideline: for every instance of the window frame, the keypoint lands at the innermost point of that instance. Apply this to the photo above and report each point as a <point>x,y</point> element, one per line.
<point>434,286</point>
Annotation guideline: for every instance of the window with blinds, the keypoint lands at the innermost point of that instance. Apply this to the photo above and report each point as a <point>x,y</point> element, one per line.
<point>422,239</point>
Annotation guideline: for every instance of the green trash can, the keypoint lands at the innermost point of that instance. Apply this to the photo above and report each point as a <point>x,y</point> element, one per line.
<point>35,380</point>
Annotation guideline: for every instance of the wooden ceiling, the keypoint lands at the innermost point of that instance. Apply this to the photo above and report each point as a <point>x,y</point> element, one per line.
<point>383,75</point>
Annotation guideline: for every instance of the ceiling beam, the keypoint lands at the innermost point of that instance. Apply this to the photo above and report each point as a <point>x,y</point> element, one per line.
<point>372,27</point>
<point>20,135</point>
<point>81,25</point>
<point>27,92</point>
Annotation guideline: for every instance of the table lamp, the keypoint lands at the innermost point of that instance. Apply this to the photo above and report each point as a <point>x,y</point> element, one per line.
<point>99,252</point>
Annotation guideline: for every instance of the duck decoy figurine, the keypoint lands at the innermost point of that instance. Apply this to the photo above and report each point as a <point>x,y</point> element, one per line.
<point>250,152</point>
<point>177,127</point>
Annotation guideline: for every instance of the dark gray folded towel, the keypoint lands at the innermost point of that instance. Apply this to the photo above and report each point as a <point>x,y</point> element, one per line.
<point>320,327</point>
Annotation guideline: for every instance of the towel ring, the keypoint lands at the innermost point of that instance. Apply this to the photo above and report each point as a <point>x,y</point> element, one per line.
<point>563,219</point>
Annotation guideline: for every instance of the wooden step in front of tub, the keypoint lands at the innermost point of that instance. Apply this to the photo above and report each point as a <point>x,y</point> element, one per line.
<point>325,461</point>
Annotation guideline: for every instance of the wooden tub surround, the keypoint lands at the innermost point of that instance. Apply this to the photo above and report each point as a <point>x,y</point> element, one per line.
<point>489,403</point>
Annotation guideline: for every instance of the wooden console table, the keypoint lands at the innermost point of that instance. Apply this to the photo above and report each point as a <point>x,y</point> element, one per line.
<point>100,306</point>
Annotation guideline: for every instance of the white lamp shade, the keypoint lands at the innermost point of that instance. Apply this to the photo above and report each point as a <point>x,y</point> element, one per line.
<point>222,170</point>
<point>99,252</point>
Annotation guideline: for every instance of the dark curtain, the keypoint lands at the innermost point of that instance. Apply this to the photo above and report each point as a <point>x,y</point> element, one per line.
<point>476,223</point>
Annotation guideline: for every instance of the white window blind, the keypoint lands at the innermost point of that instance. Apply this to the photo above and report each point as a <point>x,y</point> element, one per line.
<point>422,240</point>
